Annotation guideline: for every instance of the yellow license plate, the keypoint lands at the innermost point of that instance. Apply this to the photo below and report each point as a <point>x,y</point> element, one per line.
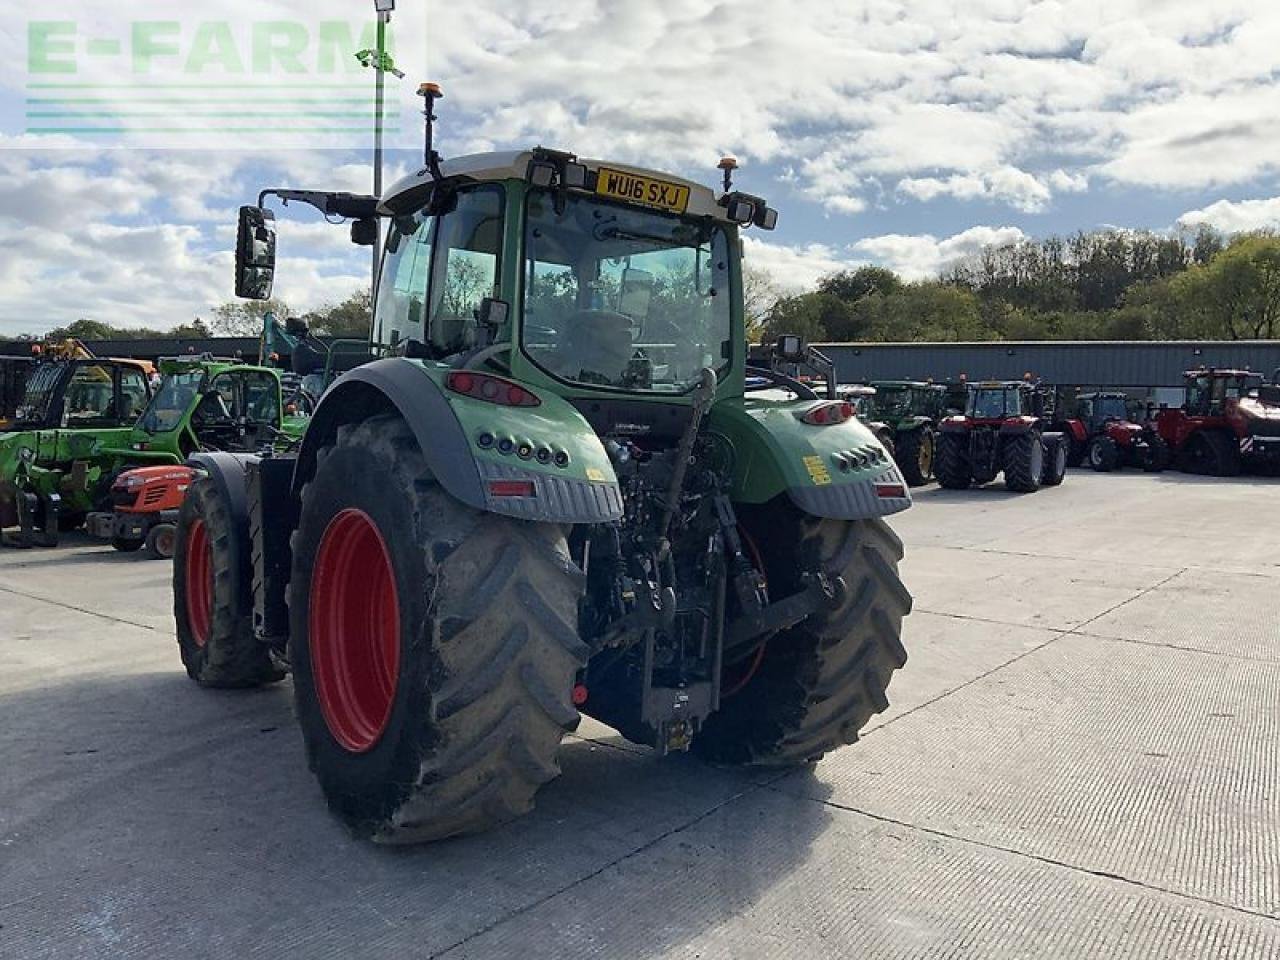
<point>645,191</point>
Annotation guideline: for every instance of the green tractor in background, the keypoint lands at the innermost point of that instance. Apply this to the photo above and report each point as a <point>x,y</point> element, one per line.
<point>552,494</point>
<point>60,477</point>
<point>912,410</point>
<point>54,456</point>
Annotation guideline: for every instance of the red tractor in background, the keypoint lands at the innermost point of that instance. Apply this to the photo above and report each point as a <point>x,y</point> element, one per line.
<point>147,501</point>
<point>1229,419</point>
<point>1101,432</point>
<point>1002,430</point>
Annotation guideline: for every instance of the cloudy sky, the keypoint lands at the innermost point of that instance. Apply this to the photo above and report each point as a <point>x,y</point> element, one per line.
<point>902,133</point>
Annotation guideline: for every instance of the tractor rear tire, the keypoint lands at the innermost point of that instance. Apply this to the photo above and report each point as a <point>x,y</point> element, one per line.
<point>914,452</point>
<point>1157,455</point>
<point>1103,455</point>
<point>1075,450</point>
<point>212,597</point>
<point>1213,453</point>
<point>817,684</point>
<point>951,465</point>
<point>1023,461</point>
<point>1055,461</point>
<point>434,647</point>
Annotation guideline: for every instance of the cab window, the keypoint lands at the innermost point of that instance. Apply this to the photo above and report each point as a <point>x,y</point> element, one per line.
<point>402,293</point>
<point>465,269</point>
<point>219,401</point>
<point>261,398</point>
<point>90,396</point>
<point>133,394</point>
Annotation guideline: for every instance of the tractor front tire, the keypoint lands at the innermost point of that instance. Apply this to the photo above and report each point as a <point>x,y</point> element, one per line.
<point>1214,453</point>
<point>951,465</point>
<point>1103,455</point>
<point>817,684</point>
<point>434,647</point>
<point>213,596</point>
<point>1023,461</point>
<point>914,452</point>
<point>126,544</point>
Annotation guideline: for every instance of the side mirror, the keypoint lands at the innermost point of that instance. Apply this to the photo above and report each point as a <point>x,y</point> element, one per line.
<point>791,349</point>
<point>365,233</point>
<point>255,254</point>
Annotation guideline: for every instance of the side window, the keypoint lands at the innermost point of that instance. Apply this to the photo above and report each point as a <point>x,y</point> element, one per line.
<point>402,290</point>
<point>465,269</point>
<point>91,395</point>
<point>133,394</point>
<point>219,402</point>
<point>261,398</point>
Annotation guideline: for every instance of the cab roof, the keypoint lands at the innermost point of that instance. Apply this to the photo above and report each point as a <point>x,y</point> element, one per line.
<point>514,165</point>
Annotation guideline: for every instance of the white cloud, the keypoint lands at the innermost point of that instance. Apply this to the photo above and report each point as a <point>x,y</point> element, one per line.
<point>924,256</point>
<point>1235,216</point>
<point>795,269</point>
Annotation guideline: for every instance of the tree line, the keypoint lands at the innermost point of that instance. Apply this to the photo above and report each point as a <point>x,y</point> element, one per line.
<point>349,318</point>
<point>1105,285</point>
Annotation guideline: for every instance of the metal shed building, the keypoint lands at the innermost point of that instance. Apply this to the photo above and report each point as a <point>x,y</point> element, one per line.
<point>1134,365</point>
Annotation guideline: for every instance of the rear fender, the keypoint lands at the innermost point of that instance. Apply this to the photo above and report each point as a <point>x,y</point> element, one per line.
<point>448,428</point>
<point>1019,425</point>
<point>838,470</point>
<point>954,425</point>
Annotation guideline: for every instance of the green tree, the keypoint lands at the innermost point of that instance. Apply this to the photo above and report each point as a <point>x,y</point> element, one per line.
<point>350,319</point>
<point>243,318</point>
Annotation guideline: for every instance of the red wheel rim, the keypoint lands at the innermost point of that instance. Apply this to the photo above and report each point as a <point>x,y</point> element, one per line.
<point>199,583</point>
<point>354,630</point>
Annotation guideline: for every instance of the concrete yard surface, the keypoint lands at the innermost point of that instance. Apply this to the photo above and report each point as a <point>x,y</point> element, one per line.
<point>1081,759</point>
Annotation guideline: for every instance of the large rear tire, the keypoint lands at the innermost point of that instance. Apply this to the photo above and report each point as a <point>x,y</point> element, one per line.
<point>951,464</point>
<point>1023,462</point>
<point>1156,457</point>
<point>1055,460</point>
<point>817,684</point>
<point>213,596</point>
<point>914,452</point>
<point>434,647</point>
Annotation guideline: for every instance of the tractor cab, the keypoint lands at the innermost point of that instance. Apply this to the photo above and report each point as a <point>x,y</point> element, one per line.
<point>1214,392</point>
<point>82,394</point>
<point>207,403</point>
<point>897,400</point>
<point>1097,409</point>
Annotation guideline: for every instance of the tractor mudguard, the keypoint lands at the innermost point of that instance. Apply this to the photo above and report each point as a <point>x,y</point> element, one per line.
<point>839,470</point>
<point>1018,425</point>
<point>483,454</point>
<point>229,472</point>
<point>954,425</point>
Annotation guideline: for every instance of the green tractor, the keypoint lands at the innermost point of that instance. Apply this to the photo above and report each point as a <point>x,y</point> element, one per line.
<point>552,494</point>
<point>912,410</point>
<point>60,477</point>
<point>54,456</point>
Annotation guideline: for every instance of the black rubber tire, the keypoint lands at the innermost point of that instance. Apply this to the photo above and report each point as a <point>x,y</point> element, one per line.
<point>232,657</point>
<point>1075,450</point>
<point>1103,454</point>
<point>126,545</point>
<point>821,681</point>
<point>1023,461</point>
<point>914,452</point>
<point>67,522</point>
<point>1213,453</point>
<point>1055,461</point>
<point>951,461</point>
<point>1157,456</point>
<point>162,541</point>
<point>489,649</point>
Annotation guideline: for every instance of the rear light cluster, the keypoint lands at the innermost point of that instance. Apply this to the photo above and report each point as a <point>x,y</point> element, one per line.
<point>524,449</point>
<point>891,491</point>
<point>482,386</point>
<point>828,413</point>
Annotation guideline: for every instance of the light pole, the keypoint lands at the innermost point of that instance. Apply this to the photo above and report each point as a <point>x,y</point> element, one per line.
<point>382,64</point>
